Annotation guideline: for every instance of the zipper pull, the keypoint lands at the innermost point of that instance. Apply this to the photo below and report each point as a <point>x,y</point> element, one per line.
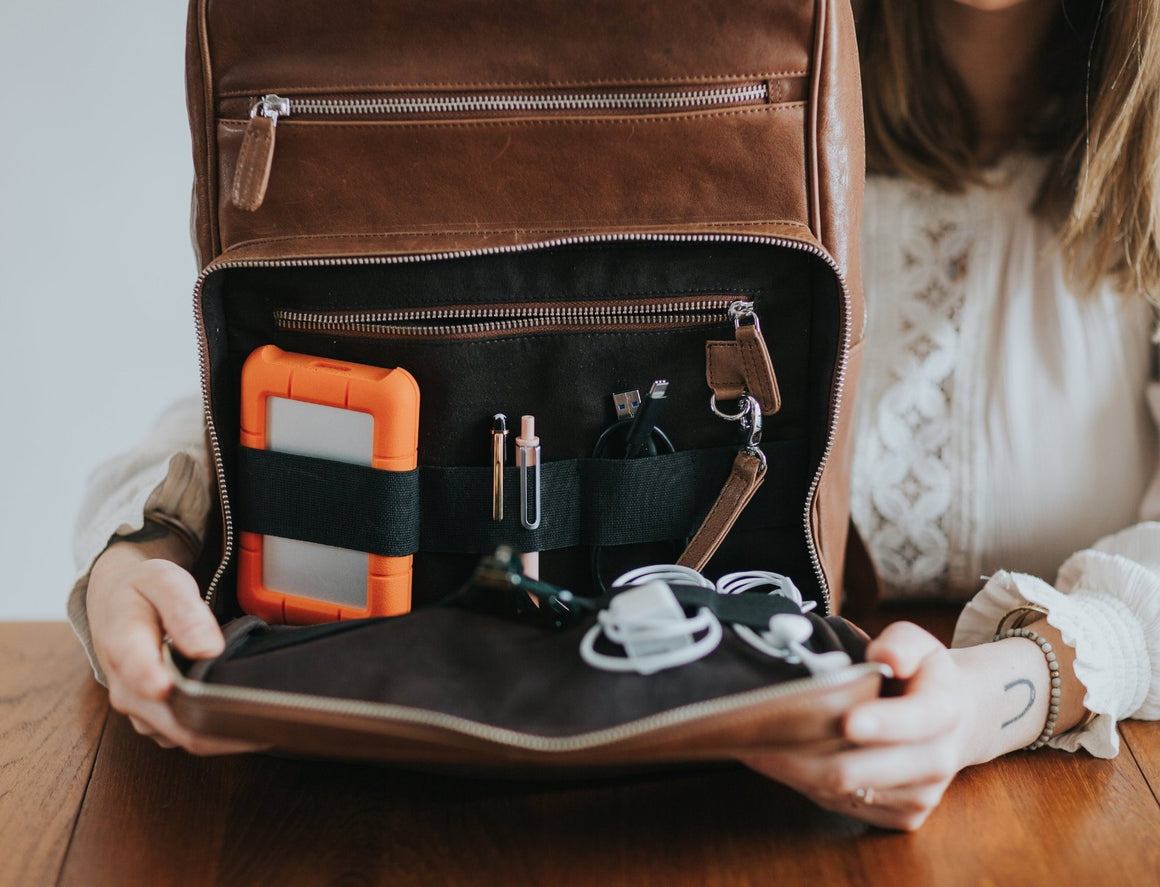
<point>742,365</point>
<point>252,173</point>
<point>745,477</point>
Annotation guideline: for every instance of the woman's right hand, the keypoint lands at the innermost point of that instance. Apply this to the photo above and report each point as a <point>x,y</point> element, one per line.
<point>138,593</point>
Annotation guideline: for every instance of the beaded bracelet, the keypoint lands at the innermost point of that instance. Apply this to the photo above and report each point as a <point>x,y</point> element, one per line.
<point>1056,683</point>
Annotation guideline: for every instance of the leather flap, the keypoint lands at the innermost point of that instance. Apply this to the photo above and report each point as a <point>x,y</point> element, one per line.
<point>491,693</point>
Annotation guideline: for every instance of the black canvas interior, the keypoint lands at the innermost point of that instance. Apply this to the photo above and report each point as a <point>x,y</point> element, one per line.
<point>564,378</point>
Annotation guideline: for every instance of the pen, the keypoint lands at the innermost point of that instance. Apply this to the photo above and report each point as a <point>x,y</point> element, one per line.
<point>499,434</point>
<point>528,461</point>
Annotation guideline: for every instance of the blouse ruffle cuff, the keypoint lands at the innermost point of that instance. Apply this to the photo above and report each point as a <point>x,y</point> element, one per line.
<point>167,480</point>
<point>1106,604</point>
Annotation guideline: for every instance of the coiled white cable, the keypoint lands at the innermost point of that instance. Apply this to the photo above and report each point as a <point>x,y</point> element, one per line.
<point>668,573</point>
<point>751,580</point>
<point>785,639</point>
<point>650,625</point>
<point>787,632</point>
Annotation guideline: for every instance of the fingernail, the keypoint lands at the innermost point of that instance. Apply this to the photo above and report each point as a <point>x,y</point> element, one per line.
<point>862,725</point>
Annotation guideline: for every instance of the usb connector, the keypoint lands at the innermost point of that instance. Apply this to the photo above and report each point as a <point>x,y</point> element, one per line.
<point>644,422</point>
<point>626,404</point>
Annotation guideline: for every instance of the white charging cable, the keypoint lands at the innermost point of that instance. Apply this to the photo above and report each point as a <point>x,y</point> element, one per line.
<point>664,573</point>
<point>650,624</point>
<point>787,633</point>
<point>785,639</point>
<point>751,580</point>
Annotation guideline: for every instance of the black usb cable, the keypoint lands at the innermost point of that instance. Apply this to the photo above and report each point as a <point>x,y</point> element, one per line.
<point>634,435</point>
<point>644,423</point>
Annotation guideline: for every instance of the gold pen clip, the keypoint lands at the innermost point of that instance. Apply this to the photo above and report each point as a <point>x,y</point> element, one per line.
<point>499,434</point>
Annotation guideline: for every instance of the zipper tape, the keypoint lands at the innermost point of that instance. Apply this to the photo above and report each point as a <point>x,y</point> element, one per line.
<point>510,102</point>
<point>468,320</point>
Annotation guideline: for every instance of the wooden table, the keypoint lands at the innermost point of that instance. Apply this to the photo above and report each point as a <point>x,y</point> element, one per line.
<point>85,801</point>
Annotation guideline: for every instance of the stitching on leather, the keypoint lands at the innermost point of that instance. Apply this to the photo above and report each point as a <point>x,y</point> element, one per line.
<point>714,528</point>
<point>755,369</point>
<point>245,170</point>
<point>538,121</point>
<point>715,371</point>
<point>510,84</point>
<point>253,142</point>
<point>752,371</point>
<point>485,231</point>
<point>210,182</point>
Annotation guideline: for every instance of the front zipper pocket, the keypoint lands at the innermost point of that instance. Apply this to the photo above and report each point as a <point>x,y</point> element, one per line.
<point>475,321</point>
<point>256,157</point>
<point>532,101</point>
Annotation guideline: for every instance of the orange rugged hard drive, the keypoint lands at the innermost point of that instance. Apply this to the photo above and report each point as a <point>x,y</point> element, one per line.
<point>337,410</point>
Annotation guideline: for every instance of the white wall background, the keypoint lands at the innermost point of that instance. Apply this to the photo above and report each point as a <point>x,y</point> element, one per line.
<point>96,270</point>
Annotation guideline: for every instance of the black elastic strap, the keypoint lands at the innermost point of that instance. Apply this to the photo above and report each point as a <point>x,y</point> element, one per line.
<point>328,502</point>
<point>753,610</point>
<point>584,501</point>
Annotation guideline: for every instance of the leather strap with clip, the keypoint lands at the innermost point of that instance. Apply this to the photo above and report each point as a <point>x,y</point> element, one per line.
<point>740,370</point>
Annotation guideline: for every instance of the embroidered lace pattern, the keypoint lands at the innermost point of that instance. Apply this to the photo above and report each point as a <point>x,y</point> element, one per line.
<point>908,475</point>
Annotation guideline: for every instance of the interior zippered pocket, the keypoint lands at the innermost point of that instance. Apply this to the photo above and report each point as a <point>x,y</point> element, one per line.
<point>471,321</point>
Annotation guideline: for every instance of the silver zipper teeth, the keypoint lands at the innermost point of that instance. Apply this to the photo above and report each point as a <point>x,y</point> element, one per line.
<point>203,351</point>
<point>494,319</point>
<point>462,329</point>
<point>594,101</point>
<point>515,738</point>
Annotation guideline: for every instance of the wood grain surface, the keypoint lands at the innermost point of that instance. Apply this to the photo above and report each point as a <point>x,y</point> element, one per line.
<point>1141,739</point>
<point>152,816</point>
<point>1026,820</point>
<point>51,716</point>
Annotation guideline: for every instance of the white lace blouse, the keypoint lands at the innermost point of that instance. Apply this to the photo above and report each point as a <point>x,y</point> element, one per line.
<point>1003,424</point>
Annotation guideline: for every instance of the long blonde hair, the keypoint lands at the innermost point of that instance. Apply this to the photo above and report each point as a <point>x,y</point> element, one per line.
<point>1099,122</point>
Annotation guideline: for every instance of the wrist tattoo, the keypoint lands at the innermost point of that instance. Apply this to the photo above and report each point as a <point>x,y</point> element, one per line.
<point>1030,699</point>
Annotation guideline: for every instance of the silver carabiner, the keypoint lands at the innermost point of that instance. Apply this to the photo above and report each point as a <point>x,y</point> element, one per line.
<point>750,418</point>
<point>752,423</point>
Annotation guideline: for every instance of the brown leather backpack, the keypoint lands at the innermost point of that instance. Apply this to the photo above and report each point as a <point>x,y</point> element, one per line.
<point>540,207</point>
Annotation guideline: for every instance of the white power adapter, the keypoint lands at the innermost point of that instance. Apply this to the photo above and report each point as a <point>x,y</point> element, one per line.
<point>647,621</point>
<point>650,624</point>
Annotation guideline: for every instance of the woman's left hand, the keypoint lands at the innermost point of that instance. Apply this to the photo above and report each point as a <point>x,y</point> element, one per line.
<point>906,749</point>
